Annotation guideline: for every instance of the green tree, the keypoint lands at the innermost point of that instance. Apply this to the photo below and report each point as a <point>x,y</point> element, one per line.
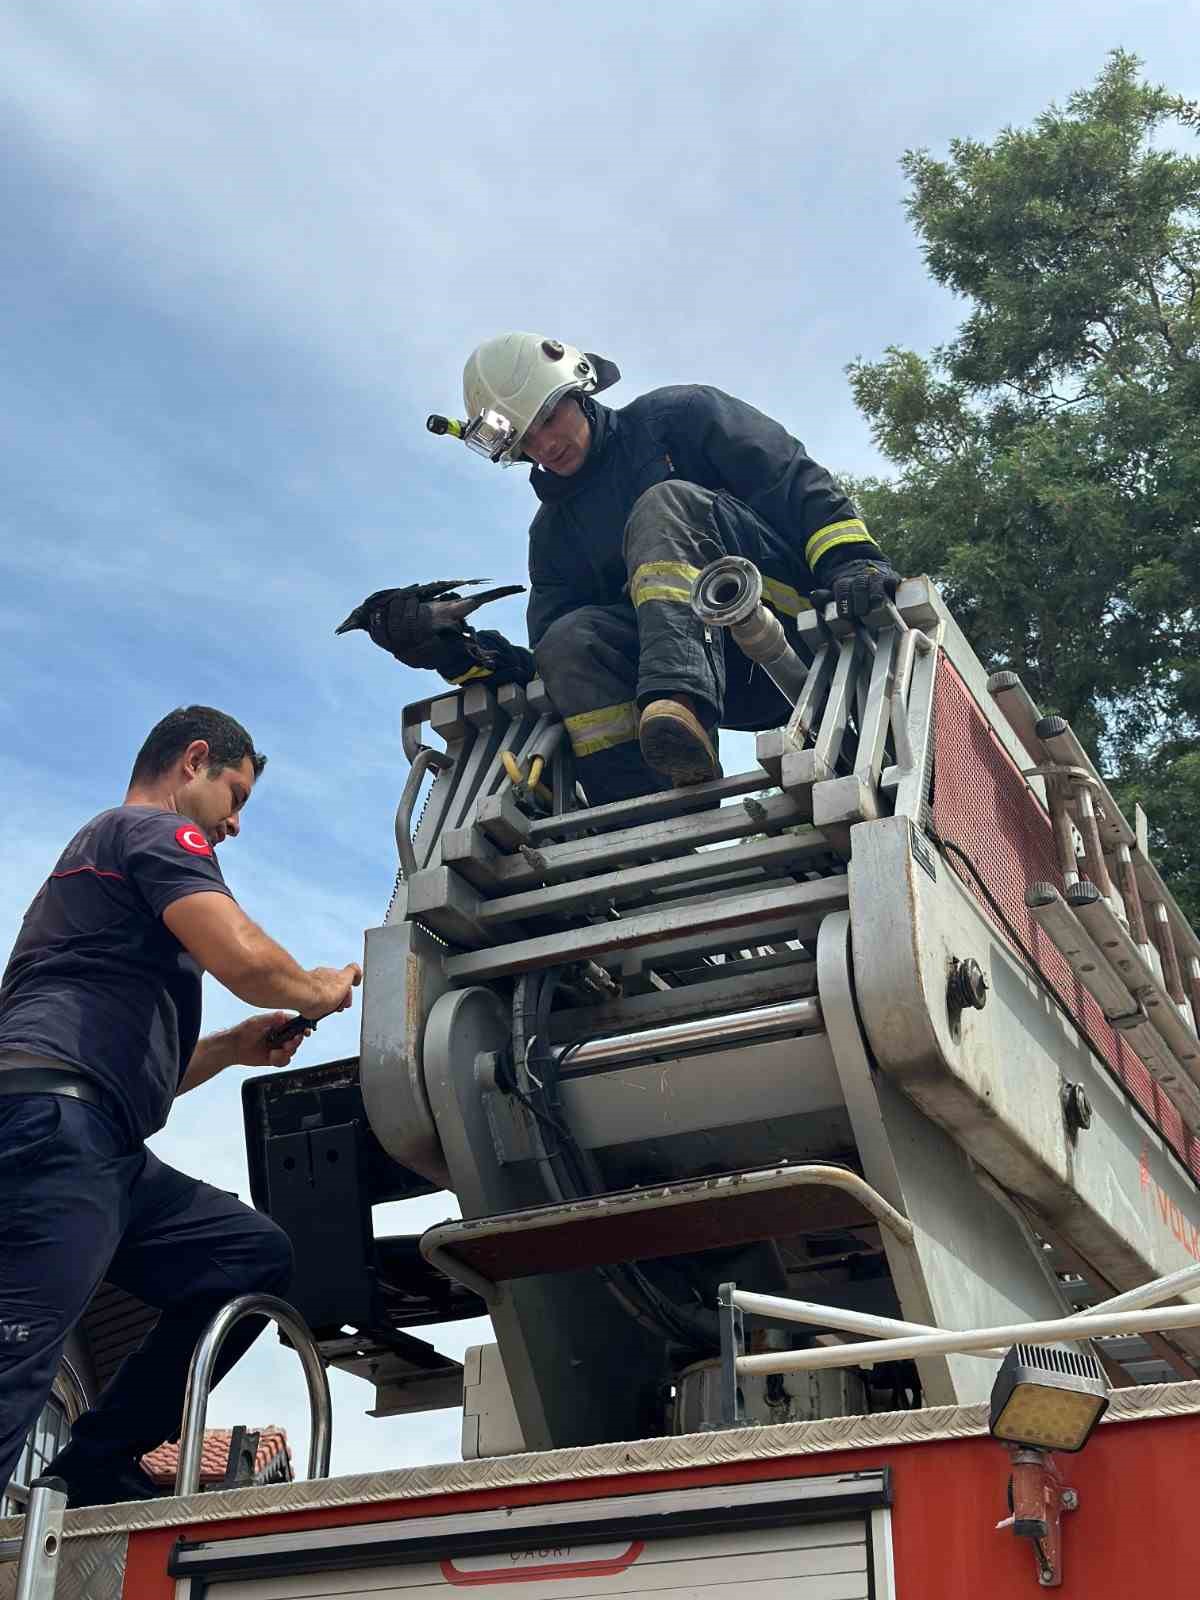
<point>1049,456</point>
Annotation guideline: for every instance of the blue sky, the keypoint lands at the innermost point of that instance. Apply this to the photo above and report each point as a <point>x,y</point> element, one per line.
<point>247,247</point>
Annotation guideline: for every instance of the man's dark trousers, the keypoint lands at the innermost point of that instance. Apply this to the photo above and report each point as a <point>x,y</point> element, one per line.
<point>82,1202</point>
<point>603,663</point>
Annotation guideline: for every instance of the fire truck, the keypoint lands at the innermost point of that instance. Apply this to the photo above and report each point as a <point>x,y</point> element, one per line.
<point>826,1142</point>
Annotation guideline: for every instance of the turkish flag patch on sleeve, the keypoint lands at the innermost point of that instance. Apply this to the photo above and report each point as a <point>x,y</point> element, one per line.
<point>192,840</point>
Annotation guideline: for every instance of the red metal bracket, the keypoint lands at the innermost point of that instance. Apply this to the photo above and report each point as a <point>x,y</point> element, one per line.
<point>1038,1498</point>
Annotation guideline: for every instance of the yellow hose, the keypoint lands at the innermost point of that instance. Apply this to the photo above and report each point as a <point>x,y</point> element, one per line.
<point>536,767</point>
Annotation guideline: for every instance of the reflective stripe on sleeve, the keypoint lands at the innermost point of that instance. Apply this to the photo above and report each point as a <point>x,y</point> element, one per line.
<point>470,674</point>
<point>592,731</point>
<point>783,598</point>
<point>651,581</point>
<point>852,531</point>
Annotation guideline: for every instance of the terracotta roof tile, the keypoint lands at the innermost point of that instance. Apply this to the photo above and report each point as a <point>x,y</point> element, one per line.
<point>163,1463</point>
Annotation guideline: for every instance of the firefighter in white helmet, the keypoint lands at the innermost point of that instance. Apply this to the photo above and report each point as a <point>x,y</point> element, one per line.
<point>633,503</point>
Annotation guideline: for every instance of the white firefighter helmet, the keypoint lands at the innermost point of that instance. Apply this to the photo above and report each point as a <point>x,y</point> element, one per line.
<point>511,382</point>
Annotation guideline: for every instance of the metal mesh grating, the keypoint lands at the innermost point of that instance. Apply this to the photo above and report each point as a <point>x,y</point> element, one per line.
<point>983,804</point>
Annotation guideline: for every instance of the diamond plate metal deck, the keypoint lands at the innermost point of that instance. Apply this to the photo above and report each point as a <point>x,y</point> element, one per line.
<point>91,1567</point>
<point>642,1456</point>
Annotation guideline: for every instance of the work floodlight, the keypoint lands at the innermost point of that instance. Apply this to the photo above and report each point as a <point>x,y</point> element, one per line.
<point>1048,1398</point>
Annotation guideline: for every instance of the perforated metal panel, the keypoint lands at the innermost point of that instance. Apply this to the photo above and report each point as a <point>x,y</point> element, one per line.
<point>982,803</point>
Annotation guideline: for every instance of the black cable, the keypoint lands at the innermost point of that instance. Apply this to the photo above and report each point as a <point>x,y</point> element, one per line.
<point>577,1171</point>
<point>580,1168</point>
<point>535,1110</point>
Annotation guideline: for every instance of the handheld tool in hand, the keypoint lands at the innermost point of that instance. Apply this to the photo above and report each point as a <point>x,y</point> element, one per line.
<point>287,1031</point>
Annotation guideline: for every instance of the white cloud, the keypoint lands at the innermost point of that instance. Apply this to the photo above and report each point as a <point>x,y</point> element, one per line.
<point>384,194</point>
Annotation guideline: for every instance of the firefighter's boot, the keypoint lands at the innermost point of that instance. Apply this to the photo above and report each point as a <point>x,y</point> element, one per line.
<point>673,741</point>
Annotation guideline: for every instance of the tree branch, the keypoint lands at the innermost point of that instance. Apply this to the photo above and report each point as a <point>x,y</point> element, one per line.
<point>1163,325</point>
<point>1187,273</point>
<point>1028,392</point>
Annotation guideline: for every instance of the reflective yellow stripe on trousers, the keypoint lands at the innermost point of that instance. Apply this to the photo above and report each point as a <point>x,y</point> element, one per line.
<point>592,731</point>
<point>650,582</point>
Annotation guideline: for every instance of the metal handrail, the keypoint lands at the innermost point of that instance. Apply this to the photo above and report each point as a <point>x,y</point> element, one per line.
<point>773,1308</point>
<point>200,1377</point>
<point>1139,1311</point>
<point>876,1327</point>
<point>1129,1313</point>
<point>425,760</point>
<point>913,1347</point>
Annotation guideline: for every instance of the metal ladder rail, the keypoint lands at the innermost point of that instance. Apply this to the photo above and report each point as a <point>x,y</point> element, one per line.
<point>37,1551</point>
<point>200,1378</point>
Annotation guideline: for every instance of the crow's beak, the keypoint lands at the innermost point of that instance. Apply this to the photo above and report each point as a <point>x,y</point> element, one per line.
<point>354,620</point>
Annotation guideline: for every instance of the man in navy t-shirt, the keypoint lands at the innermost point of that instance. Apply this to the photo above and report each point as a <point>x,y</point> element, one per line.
<point>99,1031</point>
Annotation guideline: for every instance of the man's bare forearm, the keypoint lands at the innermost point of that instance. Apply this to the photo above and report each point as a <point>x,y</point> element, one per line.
<point>218,934</point>
<point>211,1055</point>
<point>261,972</point>
<point>268,976</point>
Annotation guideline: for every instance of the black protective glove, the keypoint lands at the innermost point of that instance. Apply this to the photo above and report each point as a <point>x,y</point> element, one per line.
<point>424,624</point>
<point>860,586</point>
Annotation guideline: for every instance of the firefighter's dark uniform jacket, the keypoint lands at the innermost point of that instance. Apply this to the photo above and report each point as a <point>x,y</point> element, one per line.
<point>672,480</point>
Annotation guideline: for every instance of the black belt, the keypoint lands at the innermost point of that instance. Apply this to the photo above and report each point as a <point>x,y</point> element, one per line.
<point>29,1075</point>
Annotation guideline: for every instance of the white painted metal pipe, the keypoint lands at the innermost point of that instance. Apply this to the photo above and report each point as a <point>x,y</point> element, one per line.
<point>1160,1319</point>
<point>808,1311</point>
<point>1150,1294</point>
<point>770,1305</point>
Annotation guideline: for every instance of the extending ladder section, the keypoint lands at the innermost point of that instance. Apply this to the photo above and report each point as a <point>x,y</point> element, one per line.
<point>39,1548</point>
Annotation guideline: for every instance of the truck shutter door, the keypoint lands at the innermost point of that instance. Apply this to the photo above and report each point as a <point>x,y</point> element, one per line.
<point>818,1538</point>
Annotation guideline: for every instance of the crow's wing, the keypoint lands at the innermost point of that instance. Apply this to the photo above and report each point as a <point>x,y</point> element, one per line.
<point>460,609</point>
<point>449,607</point>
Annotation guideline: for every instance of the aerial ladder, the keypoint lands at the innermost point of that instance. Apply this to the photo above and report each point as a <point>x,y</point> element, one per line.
<point>768,1106</point>
<point>899,1021</point>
